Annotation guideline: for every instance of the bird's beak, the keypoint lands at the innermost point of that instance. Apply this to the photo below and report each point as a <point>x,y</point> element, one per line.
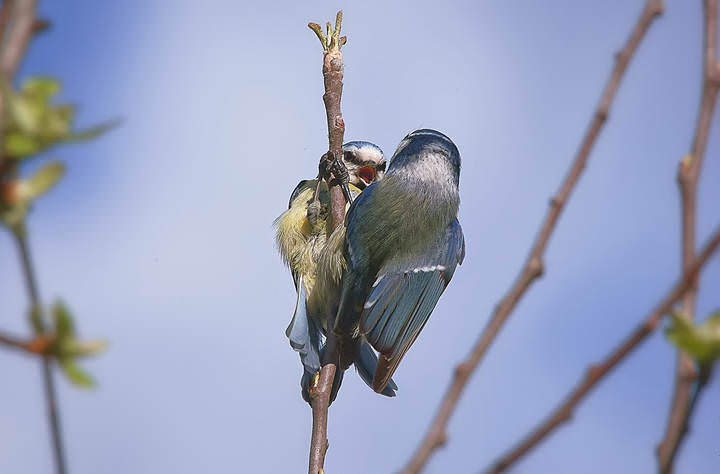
<point>366,174</point>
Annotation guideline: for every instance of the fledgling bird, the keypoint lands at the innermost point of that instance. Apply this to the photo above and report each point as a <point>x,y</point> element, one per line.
<point>301,237</point>
<point>401,246</point>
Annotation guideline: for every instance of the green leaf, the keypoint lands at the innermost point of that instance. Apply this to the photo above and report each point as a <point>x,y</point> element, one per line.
<point>18,145</point>
<point>57,123</point>
<point>93,132</point>
<point>64,324</point>
<point>40,88</point>
<point>43,179</point>
<point>34,124</point>
<point>27,114</point>
<point>76,348</point>
<point>700,341</point>
<point>75,374</point>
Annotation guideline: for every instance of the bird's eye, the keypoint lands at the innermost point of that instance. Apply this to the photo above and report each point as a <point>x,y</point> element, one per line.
<point>366,173</point>
<point>381,166</point>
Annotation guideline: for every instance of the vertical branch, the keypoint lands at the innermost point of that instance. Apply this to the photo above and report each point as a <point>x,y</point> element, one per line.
<point>332,78</point>
<point>19,18</point>
<point>597,372</point>
<point>50,392</point>
<point>320,394</point>
<point>533,268</point>
<point>22,26</point>
<point>688,176</point>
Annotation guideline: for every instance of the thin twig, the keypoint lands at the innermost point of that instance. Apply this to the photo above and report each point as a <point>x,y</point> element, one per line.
<point>332,79</point>
<point>22,26</point>
<point>320,394</point>
<point>533,268</point>
<point>596,372</point>
<point>38,345</point>
<point>5,12</point>
<point>50,393</point>
<point>688,176</point>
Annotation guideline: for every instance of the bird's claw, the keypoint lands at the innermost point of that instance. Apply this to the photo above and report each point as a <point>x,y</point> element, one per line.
<point>332,166</point>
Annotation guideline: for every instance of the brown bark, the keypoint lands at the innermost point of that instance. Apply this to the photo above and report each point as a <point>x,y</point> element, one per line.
<point>533,269</point>
<point>688,176</point>
<point>332,79</point>
<point>597,372</point>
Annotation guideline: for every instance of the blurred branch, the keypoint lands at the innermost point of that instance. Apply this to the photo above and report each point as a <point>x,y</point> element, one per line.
<point>5,12</point>
<point>18,37</point>
<point>22,25</point>
<point>14,43</point>
<point>332,78</point>
<point>597,372</point>
<point>40,344</point>
<point>50,392</point>
<point>686,376</point>
<point>533,268</point>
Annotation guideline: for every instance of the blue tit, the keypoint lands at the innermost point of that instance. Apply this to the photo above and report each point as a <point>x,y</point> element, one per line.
<point>401,245</point>
<point>301,236</point>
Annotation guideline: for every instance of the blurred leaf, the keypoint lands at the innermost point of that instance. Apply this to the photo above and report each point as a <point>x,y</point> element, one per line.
<point>76,348</point>
<point>93,132</point>
<point>57,123</point>
<point>35,124</point>
<point>26,113</point>
<point>75,374</point>
<point>700,341</point>
<point>40,88</point>
<point>64,324</point>
<point>43,179</point>
<point>19,145</point>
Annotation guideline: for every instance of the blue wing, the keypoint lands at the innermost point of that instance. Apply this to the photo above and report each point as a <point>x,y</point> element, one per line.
<point>403,296</point>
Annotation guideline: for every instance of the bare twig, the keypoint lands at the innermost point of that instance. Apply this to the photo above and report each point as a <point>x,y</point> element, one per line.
<point>688,175</point>
<point>40,344</point>
<point>320,394</point>
<point>533,268</point>
<point>597,372</point>
<point>50,393</point>
<point>5,12</point>
<point>332,78</point>
<point>23,24</point>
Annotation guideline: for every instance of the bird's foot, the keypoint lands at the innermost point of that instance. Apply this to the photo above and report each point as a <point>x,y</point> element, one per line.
<point>333,170</point>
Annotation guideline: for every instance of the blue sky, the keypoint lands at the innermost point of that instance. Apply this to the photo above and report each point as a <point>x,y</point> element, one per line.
<point>160,236</point>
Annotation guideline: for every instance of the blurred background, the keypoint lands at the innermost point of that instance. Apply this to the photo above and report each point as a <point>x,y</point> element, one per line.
<point>160,236</point>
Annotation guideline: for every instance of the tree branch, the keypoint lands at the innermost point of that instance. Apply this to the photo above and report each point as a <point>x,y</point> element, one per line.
<point>320,394</point>
<point>597,372</point>
<point>21,29</point>
<point>22,24</point>
<point>50,393</point>
<point>688,175</point>
<point>40,344</point>
<point>21,14</point>
<point>533,268</point>
<point>332,79</point>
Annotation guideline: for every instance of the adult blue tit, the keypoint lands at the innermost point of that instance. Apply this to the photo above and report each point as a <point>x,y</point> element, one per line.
<point>301,236</point>
<point>402,244</point>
